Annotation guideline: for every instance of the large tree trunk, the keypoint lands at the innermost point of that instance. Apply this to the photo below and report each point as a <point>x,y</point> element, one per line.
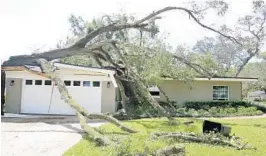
<point>138,86</point>
<point>48,69</point>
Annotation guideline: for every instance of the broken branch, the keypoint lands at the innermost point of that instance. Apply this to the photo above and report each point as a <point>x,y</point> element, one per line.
<point>207,139</point>
<point>47,68</point>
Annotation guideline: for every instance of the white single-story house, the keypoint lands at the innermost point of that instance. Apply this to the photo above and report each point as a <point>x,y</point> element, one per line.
<point>29,91</point>
<point>202,89</point>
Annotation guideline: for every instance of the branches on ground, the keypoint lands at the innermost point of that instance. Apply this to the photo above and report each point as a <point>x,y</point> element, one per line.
<point>205,138</point>
<point>176,150</point>
<point>99,139</point>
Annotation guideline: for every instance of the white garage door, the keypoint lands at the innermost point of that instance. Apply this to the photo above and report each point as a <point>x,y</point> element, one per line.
<point>35,97</point>
<point>44,99</point>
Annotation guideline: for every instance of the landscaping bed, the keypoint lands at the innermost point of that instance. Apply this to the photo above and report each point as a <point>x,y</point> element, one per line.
<point>220,109</point>
<point>252,131</point>
<point>202,109</point>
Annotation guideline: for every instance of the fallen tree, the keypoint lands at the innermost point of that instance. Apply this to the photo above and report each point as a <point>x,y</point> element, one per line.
<point>102,51</point>
<point>82,112</point>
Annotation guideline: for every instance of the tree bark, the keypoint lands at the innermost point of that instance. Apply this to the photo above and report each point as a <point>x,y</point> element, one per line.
<point>47,68</point>
<point>91,133</point>
<point>139,86</point>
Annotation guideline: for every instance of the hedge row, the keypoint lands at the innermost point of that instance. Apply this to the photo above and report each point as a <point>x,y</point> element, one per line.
<point>219,112</point>
<point>206,105</point>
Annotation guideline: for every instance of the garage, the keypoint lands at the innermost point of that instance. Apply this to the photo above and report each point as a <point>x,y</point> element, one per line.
<point>30,92</point>
<point>42,97</point>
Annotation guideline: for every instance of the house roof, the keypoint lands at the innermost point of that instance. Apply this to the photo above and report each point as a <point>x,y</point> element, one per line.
<point>223,79</point>
<point>20,60</point>
<point>38,70</point>
<point>227,79</point>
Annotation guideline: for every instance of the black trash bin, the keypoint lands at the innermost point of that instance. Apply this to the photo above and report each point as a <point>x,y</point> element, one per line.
<point>216,127</point>
<point>209,126</point>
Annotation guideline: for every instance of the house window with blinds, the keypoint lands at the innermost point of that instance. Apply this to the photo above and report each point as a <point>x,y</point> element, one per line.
<point>221,93</point>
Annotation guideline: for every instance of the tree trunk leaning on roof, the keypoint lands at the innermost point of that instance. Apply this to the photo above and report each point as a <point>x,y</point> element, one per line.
<point>48,69</point>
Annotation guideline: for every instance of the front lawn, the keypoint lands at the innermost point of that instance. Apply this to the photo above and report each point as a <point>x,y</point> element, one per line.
<point>252,131</point>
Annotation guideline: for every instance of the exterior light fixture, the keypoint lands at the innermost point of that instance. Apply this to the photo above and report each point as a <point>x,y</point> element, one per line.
<point>108,84</point>
<point>12,83</point>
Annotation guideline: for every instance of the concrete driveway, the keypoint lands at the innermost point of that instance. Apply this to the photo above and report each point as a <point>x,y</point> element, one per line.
<point>39,137</point>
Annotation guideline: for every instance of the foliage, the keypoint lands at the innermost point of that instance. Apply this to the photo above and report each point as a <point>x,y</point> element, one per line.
<point>251,130</point>
<point>80,60</point>
<point>220,109</point>
<point>255,69</point>
<point>208,104</point>
<point>224,55</point>
<point>219,112</point>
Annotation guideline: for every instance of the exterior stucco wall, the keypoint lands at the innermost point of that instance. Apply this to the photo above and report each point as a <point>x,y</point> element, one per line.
<point>106,95</point>
<point>198,90</point>
<point>13,95</point>
<point>108,98</point>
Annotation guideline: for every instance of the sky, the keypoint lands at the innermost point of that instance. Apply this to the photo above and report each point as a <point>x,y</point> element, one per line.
<point>30,24</point>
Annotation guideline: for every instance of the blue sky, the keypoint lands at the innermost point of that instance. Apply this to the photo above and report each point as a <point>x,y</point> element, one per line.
<point>30,24</point>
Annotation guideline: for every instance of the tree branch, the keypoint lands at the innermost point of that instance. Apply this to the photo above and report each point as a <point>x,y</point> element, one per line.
<point>68,99</point>
<point>205,138</point>
<point>79,46</point>
<point>195,67</point>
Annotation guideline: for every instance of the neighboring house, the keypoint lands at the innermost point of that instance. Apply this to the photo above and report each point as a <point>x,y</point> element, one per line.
<point>257,95</point>
<point>202,89</point>
<point>29,91</point>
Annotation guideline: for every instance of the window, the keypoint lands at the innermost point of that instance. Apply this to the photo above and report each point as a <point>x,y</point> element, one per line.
<point>28,82</point>
<point>67,83</point>
<point>220,93</point>
<point>76,83</point>
<point>86,83</point>
<point>38,82</point>
<point>155,93</point>
<point>96,84</point>
<point>48,82</point>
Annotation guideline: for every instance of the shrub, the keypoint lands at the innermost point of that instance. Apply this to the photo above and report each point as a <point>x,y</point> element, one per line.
<point>192,112</point>
<point>181,112</point>
<point>204,113</point>
<point>208,104</point>
<point>219,112</point>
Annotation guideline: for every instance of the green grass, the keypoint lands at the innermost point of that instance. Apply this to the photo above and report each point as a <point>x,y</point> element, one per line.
<point>252,131</point>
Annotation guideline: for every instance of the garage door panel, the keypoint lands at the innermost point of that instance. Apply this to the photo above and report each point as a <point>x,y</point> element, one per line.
<point>35,99</point>
<point>88,97</point>
<point>58,106</point>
